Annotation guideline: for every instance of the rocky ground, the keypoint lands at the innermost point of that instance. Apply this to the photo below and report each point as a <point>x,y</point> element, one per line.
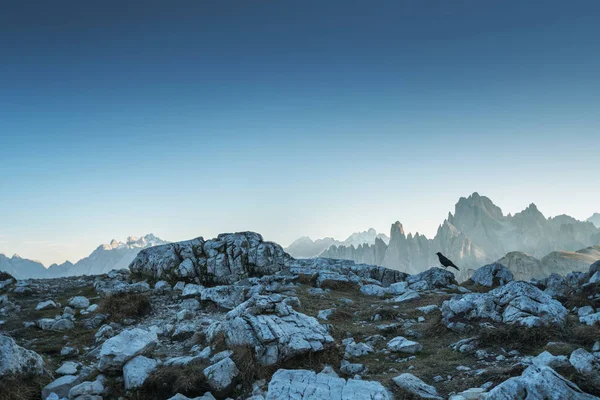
<point>236,317</point>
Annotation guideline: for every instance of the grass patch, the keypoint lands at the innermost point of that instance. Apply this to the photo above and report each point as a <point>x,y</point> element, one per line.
<point>26,387</point>
<point>520,337</point>
<point>125,305</point>
<point>165,382</point>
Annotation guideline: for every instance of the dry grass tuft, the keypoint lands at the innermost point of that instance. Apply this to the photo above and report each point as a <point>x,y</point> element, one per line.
<point>165,382</point>
<point>26,387</point>
<point>125,305</point>
<point>522,338</point>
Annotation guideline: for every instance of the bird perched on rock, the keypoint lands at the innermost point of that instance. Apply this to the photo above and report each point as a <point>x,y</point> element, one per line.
<point>446,262</point>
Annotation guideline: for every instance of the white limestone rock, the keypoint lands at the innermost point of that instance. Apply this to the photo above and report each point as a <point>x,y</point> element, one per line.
<point>227,296</point>
<point>514,303</point>
<point>584,362</point>
<point>88,388</point>
<point>68,368</point>
<point>326,385</point>
<point>45,305</point>
<point>224,260</point>
<point>275,330</point>
<point>402,345</point>
<point>416,387</point>
<point>17,360</point>
<point>137,370</point>
<point>79,302</point>
<point>60,386</point>
<point>538,383</point>
<point>494,274</point>
<point>220,376</point>
<point>119,349</point>
<point>373,290</point>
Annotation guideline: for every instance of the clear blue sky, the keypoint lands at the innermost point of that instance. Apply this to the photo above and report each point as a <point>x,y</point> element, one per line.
<point>289,118</point>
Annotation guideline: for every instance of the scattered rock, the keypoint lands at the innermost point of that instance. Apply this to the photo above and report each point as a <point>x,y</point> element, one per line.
<point>137,370</point>
<point>490,275</point>
<point>17,360</point>
<point>119,349</point>
<point>79,302</point>
<point>220,376</point>
<point>416,387</point>
<point>403,345</point>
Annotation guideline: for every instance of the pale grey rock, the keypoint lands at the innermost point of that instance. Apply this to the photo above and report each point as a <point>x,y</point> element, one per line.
<point>220,356</point>
<point>224,260</point>
<point>88,388</point>
<point>162,286</point>
<point>591,319</point>
<point>93,308</point>
<point>514,303</point>
<point>403,345</point>
<point>428,309</point>
<point>324,314</point>
<point>105,332</point>
<point>68,368</point>
<point>275,330</point>
<point>137,370</point>
<point>352,369</point>
<point>409,295</point>
<point>45,305</point>
<point>470,394</point>
<point>585,311</point>
<point>354,350</point>
<point>595,278</point>
<point>63,324</point>
<point>205,396</point>
<point>547,359</point>
<point>433,278</point>
<point>372,290</point>
<point>190,304</point>
<point>326,385</point>
<point>397,288</point>
<point>228,296</point>
<point>45,324</point>
<point>79,302</point>
<point>220,376</point>
<point>119,349</point>
<point>60,386</point>
<point>584,362</point>
<point>191,289</point>
<point>416,387</point>
<point>17,360</point>
<point>538,383</point>
<point>494,274</point>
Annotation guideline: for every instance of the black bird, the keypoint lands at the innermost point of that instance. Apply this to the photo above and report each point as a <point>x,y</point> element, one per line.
<point>446,262</point>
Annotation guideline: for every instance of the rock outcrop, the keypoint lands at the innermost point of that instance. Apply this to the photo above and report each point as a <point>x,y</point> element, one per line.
<point>326,385</point>
<point>271,326</point>
<point>515,303</point>
<point>224,260</point>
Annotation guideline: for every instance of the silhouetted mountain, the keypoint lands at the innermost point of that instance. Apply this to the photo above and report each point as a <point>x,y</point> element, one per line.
<point>305,247</point>
<point>477,233</point>
<point>595,219</point>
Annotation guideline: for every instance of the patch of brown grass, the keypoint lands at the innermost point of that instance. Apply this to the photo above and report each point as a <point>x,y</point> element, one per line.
<point>26,387</point>
<point>165,382</point>
<point>585,334</point>
<point>589,383</point>
<point>522,338</point>
<point>125,305</point>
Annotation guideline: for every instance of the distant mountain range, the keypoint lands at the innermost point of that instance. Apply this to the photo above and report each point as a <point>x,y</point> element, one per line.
<point>106,257</point>
<point>305,247</point>
<point>477,233</point>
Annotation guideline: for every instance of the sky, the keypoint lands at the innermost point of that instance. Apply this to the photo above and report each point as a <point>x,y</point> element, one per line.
<point>191,118</point>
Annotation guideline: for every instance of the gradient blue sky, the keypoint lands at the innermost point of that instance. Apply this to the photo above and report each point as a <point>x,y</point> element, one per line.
<point>289,118</point>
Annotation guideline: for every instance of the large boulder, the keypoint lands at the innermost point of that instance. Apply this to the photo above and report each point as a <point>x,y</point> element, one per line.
<point>224,260</point>
<point>220,376</point>
<point>515,303</point>
<point>119,349</point>
<point>490,275</point>
<point>433,278</point>
<point>326,385</point>
<point>538,383</point>
<point>17,360</point>
<point>271,326</point>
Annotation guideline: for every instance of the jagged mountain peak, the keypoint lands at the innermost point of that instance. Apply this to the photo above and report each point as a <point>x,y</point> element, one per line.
<point>396,230</point>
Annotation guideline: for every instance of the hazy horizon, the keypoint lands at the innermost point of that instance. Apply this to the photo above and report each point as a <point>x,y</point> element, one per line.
<point>87,251</point>
<point>289,119</point>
